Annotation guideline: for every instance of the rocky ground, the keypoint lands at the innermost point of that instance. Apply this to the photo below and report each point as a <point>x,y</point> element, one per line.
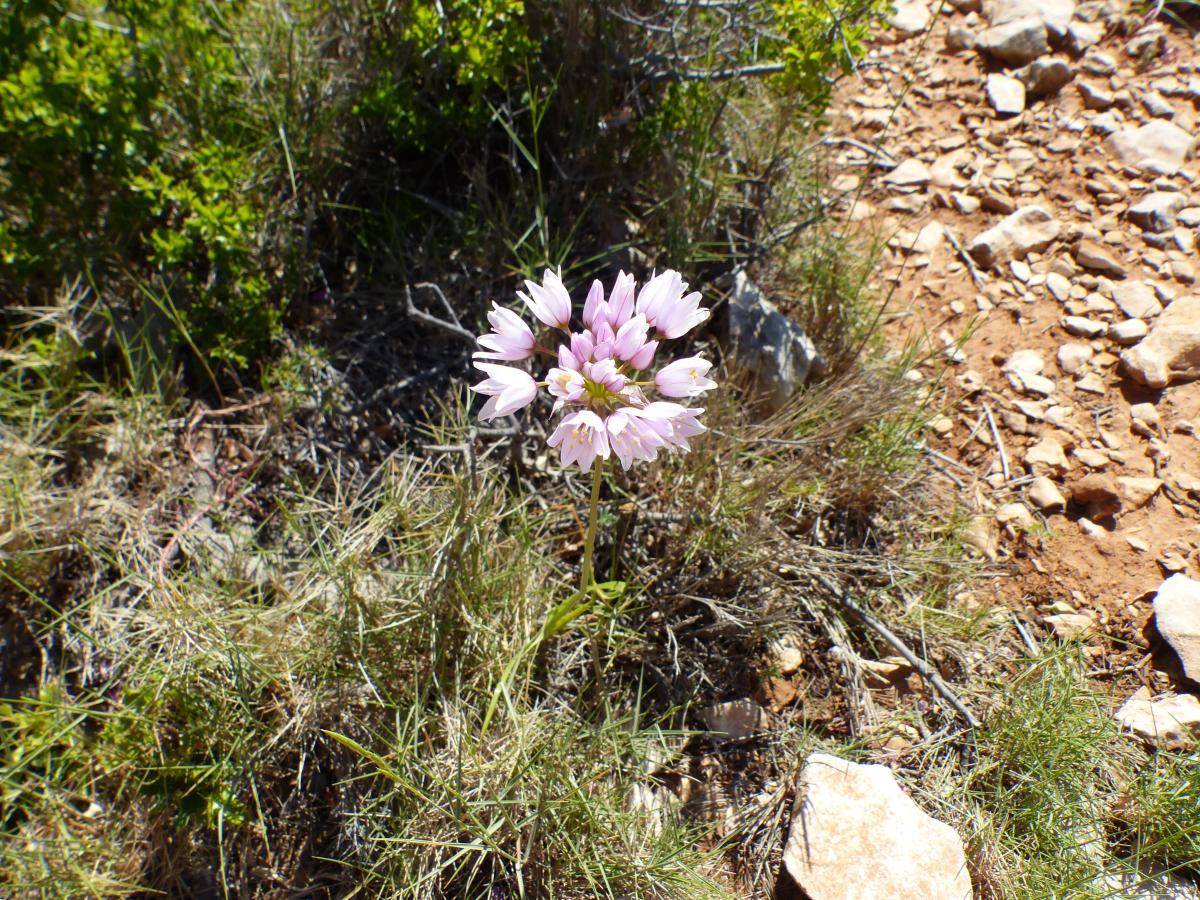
<point>1031,171</point>
<point>1030,167</point>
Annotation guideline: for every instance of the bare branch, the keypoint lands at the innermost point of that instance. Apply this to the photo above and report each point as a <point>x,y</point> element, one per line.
<point>449,327</point>
<point>753,71</point>
<point>923,668</point>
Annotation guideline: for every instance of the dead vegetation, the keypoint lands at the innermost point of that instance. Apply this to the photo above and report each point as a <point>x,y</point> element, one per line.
<point>270,677</point>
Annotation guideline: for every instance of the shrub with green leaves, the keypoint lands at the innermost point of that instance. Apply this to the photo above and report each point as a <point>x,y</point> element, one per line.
<point>126,152</point>
<point>212,156</point>
<point>821,38</point>
<point>438,66</point>
<point>205,243</point>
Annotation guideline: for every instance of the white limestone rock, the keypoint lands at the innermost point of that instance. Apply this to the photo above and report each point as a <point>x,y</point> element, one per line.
<point>1171,351</point>
<point>1177,618</point>
<point>857,834</point>
<point>1005,95</point>
<point>1158,146</point>
<point>1030,228</point>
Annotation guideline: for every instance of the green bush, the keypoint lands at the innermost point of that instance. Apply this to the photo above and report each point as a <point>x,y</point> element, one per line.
<point>172,148</point>
<point>818,39</point>
<point>126,151</point>
<point>436,67</point>
<point>205,241</point>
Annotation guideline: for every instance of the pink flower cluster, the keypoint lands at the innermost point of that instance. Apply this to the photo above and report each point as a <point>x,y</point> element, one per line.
<point>598,376</point>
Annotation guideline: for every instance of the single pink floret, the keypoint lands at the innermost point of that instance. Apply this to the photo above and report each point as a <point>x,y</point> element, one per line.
<point>594,306</point>
<point>549,301</point>
<point>672,422</point>
<point>565,385</point>
<point>582,348</point>
<point>658,416</point>
<point>509,389</point>
<point>684,378</point>
<point>631,437</point>
<point>644,356</point>
<point>620,301</point>
<point>664,305</point>
<point>510,339</point>
<point>602,337</point>
<point>681,316</point>
<point>656,293</point>
<point>580,437</point>
<point>630,338</point>
<point>685,425</point>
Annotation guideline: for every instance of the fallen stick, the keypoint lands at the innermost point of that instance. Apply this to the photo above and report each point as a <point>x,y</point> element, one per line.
<point>1026,637</point>
<point>433,321</point>
<point>950,461</point>
<point>922,667</point>
<point>987,411</point>
<point>866,148</point>
<point>942,470</point>
<point>964,256</point>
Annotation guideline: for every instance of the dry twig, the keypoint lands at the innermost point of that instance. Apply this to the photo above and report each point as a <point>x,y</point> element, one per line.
<point>964,256</point>
<point>923,668</point>
<point>987,411</point>
<point>449,327</point>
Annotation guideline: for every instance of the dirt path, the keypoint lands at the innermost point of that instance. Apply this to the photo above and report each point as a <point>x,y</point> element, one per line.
<point>1084,478</point>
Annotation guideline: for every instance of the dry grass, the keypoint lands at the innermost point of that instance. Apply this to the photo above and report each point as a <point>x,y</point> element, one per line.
<point>273,680</point>
<point>228,672</point>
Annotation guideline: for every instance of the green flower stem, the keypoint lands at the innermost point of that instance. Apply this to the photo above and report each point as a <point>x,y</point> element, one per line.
<point>588,576</point>
<point>589,544</point>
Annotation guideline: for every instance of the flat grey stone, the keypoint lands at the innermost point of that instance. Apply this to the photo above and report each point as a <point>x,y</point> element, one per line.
<point>769,345</point>
<point>1017,43</point>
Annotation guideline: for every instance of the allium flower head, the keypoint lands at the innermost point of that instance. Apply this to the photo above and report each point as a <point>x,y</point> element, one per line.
<point>597,377</point>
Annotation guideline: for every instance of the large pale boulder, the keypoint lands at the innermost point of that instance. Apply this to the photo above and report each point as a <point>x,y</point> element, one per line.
<point>1171,351</point>
<point>1013,237</point>
<point>1015,43</point>
<point>856,835</point>
<point>1177,618</point>
<point>1055,15</point>
<point>1158,146</point>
